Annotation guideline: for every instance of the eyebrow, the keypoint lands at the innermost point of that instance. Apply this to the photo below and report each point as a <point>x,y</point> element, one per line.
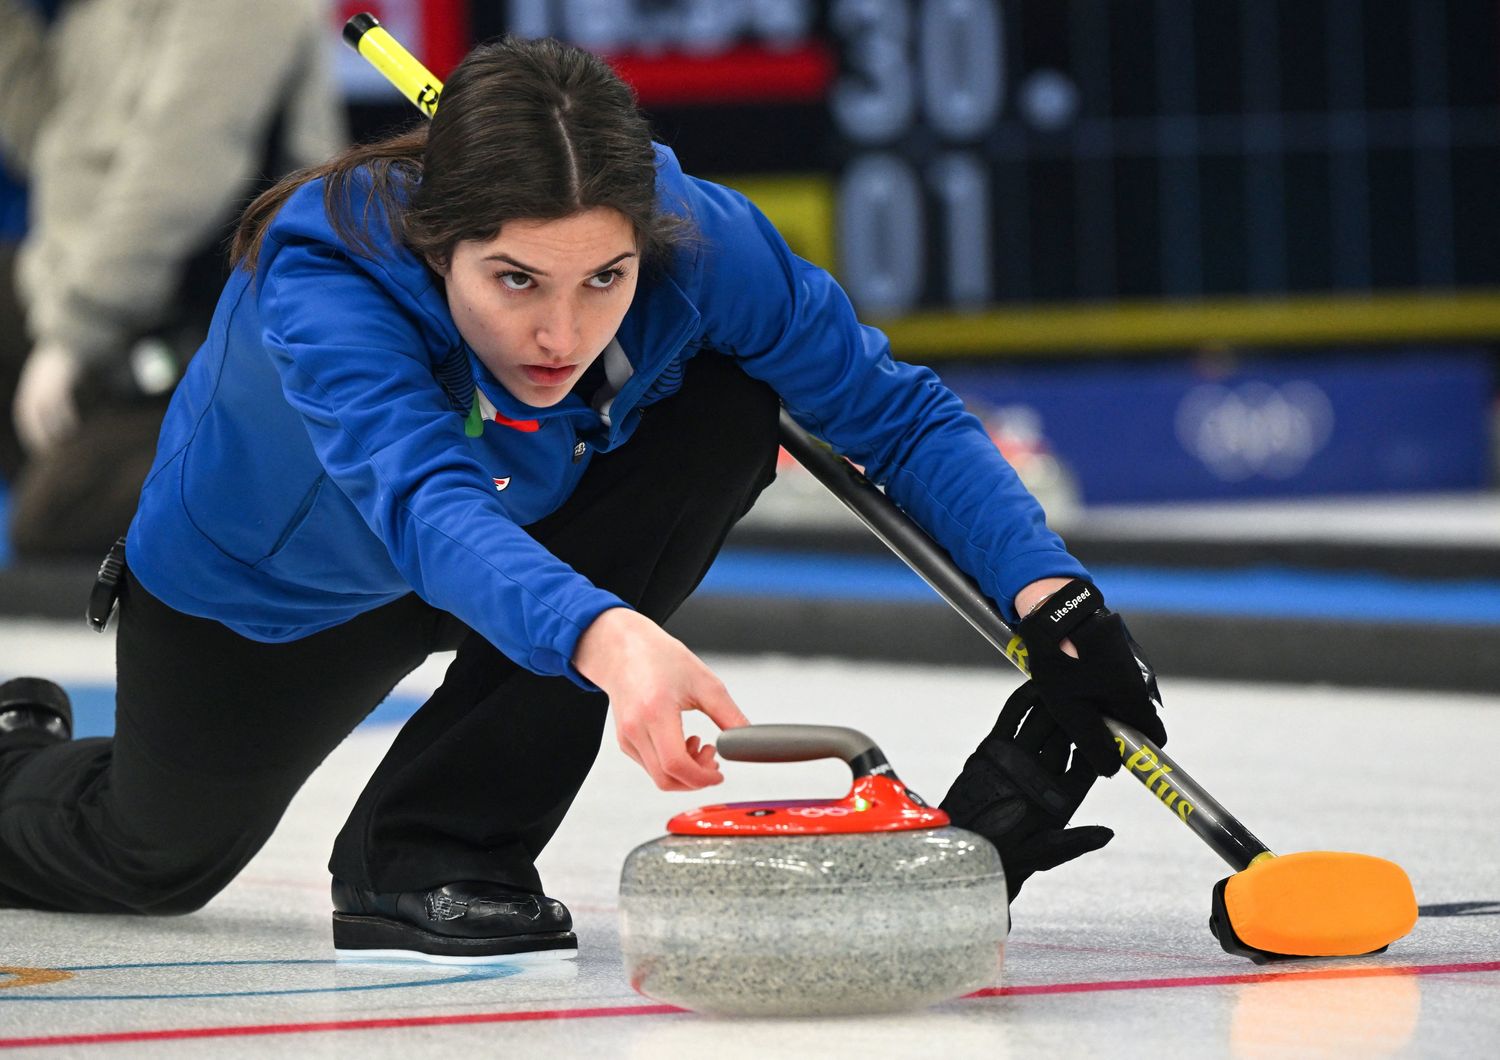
<point>531,269</point>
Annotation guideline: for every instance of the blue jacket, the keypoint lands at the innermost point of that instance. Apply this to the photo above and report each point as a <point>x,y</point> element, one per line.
<point>315,462</point>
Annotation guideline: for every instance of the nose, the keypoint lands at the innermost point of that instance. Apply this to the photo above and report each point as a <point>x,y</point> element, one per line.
<point>558,329</point>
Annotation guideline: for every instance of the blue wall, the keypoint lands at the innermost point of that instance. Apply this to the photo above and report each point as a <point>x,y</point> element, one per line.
<point>1253,427</point>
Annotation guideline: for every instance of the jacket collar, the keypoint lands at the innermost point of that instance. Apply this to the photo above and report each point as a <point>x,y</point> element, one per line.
<point>659,324</point>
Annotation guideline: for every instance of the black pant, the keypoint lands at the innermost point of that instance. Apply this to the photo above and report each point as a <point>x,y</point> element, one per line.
<point>214,733</point>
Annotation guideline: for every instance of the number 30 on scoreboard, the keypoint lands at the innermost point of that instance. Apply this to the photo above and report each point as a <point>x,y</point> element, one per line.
<point>930,71</point>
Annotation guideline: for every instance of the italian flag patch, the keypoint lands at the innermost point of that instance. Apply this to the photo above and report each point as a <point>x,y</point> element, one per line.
<point>483,411</point>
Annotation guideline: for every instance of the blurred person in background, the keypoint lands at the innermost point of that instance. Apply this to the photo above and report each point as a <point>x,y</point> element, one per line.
<point>143,127</point>
<point>17,128</point>
<point>14,344</point>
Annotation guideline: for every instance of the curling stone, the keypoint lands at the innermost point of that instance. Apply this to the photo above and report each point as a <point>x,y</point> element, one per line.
<point>869,903</point>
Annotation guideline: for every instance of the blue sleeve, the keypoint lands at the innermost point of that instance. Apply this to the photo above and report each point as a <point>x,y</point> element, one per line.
<point>354,366</point>
<point>792,326</point>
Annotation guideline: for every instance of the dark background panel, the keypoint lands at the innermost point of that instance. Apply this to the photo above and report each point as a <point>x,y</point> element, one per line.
<point>1303,47</point>
<point>1388,55</point>
<point>1137,239</point>
<point>1159,149</point>
<point>1133,72</point>
<point>1309,225</point>
<point>1009,206</point>
<point>1218,58</point>
<point>1471,45</point>
<point>769,138</point>
<point>1221,182</point>
<point>1477,232</point>
<point>1393,233</point>
<point>1053,243</point>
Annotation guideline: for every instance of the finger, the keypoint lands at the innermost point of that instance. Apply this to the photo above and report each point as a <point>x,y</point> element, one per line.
<point>1151,728</point>
<point>674,758</point>
<point>660,773</point>
<point>1078,778</point>
<point>638,746</point>
<point>667,773</point>
<point>1053,755</point>
<point>685,768</point>
<point>1100,751</point>
<point>1036,729</point>
<point>1155,730</point>
<point>704,766</point>
<point>714,700</point>
<point>1051,849</point>
<point>1099,631</point>
<point>1022,702</point>
<point>685,773</point>
<point>704,755</point>
<point>1143,718</point>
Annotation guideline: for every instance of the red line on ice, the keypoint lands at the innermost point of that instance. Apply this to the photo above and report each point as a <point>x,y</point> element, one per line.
<point>1375,971</point>
<point>247,1030</point>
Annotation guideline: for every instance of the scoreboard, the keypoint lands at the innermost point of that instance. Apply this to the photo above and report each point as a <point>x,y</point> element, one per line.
<point>1077,174</point>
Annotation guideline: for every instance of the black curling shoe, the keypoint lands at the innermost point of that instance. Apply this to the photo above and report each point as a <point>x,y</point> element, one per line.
<point>461,923</point>
<point>33,712</point>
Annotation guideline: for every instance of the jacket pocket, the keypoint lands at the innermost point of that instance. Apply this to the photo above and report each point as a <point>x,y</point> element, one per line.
<point>304,509</point>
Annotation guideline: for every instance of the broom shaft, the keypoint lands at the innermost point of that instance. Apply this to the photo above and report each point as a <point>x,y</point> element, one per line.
<point>1163,777</point>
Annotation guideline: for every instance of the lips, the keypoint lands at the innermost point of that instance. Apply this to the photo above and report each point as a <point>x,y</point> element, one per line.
<point>541,375</point>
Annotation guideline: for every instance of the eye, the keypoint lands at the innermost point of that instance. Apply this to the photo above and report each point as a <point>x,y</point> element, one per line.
<point>603,281</point>
<point>516,281</point>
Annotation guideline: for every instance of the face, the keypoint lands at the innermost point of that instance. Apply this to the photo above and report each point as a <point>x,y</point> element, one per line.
<point>540,301</point>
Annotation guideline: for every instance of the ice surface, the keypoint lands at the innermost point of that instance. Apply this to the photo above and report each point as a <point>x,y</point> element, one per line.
<point>1110,953</point>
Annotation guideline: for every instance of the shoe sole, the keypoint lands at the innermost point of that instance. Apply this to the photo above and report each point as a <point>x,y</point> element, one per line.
<point>377,938</point>
<point>537,959</point>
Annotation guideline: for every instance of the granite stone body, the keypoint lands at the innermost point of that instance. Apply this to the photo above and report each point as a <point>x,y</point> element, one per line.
<point>813,925</point>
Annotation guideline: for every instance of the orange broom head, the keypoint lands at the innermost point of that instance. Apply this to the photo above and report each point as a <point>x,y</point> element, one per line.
<point>1320,903</point>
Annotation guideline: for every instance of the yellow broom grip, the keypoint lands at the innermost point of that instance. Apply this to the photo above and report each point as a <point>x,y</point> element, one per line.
<point>400,67</point>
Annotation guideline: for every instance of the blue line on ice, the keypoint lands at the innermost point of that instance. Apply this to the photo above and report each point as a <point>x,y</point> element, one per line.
<point>496,971</point>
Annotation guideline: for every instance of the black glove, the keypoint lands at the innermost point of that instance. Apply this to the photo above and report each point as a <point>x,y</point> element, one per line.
<point>1110,677</point>
<point>1018,791</point>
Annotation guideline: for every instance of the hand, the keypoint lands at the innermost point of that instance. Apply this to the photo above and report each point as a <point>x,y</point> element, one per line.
<point>1032,595</point>
<point>651,678</point>
<point>1107,675</point>
<point>1018,791</point>
<point>45,409</point>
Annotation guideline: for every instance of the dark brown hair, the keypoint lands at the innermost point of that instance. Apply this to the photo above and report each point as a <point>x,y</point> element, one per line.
<point>526,129</point>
